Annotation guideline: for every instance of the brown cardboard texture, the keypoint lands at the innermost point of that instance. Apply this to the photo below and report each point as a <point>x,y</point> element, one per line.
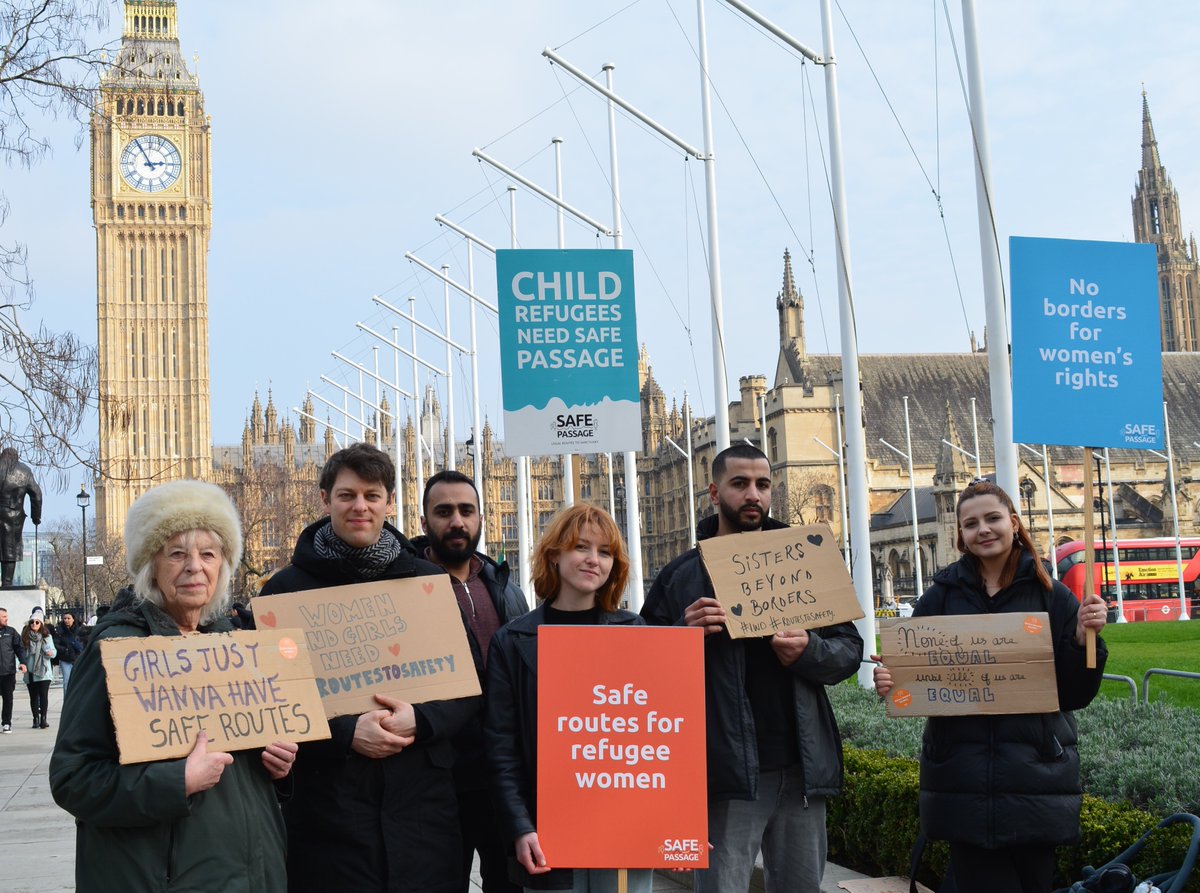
<point>771,580</point>
<point>400,638</point>
<point>243,689</point>
<point>970,664</point>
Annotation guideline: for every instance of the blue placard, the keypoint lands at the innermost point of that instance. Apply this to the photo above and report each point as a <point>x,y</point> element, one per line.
<point>568,351</point>
<point>1087,360</point>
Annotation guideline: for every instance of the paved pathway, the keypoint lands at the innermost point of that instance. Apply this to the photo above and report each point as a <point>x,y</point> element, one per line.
<point>38,838</point>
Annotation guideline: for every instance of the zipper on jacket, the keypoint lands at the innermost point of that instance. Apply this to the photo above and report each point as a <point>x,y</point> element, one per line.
<point>171,854</point>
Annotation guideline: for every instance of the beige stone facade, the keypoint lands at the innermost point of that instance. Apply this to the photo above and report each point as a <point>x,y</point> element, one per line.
<point>151,205</point>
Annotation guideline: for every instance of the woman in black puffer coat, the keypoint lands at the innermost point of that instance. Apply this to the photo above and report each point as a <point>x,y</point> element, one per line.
<point>1004,789</point>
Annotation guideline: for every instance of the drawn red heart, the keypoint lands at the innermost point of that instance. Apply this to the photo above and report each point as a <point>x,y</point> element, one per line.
<point>267,618</point>
<point>395,649</point>
<point>428,587</point>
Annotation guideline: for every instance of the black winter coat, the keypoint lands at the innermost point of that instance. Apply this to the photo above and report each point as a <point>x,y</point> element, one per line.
<point>470,771</point>
<point>510,734</point>
<point>373,826</point>
<point>12,654</point>
<point>134,827</point>
<point>833,655</point>
<point>1004,781</point>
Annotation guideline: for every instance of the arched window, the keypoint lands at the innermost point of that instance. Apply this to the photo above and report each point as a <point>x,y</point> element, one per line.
<point>773,440</point>
<point>823,504</point>
<point>120,212</point>
<point>120,106</point>
<point>161,106</point>
<point>141,107</point>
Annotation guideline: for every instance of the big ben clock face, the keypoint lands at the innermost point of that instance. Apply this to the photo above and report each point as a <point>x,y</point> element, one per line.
<point>150,163</point>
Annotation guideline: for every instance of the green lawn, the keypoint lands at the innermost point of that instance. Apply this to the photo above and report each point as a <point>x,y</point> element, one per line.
<point>1134,648</point>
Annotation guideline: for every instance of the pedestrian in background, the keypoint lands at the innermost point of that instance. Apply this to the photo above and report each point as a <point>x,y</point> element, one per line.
<point>1004,789</point>
<point>12,661</point>
<point>39,672</point>
<point>69,644</point>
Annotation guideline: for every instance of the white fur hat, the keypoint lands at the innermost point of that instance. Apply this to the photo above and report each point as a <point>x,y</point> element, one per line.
<point>172,508</point>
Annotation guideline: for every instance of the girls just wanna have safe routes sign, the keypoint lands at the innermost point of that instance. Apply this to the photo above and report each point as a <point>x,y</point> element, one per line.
<point>1087,360</point>
<point>568,351</point>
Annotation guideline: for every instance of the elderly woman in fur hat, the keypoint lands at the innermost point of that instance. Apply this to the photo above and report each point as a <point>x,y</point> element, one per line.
<point>209,821</point>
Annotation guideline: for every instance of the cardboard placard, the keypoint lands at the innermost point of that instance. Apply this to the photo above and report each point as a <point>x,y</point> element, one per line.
<point>970,664</point>
<point>243,689</point>
<point>400,638</point>
<point>771,580</point>
<point>621,747</point>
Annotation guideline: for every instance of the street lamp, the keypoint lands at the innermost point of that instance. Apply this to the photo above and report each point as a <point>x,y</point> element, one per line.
<point>83,500</point>
<point>1026,486</point>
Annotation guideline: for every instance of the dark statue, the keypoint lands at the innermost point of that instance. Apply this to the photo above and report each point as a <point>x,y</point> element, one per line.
<point>16,482</point>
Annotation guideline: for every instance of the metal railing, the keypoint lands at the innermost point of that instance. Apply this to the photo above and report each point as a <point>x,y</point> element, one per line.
<point>1156,671</point>
<point>1133,692</point>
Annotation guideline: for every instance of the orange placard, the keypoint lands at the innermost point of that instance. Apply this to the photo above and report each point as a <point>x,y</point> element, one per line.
<point>621,777</point>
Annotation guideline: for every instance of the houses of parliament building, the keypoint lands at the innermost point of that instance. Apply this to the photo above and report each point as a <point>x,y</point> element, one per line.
<point>152,210</point>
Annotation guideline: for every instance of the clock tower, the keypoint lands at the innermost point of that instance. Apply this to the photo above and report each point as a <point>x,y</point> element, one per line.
<point>152,207</point>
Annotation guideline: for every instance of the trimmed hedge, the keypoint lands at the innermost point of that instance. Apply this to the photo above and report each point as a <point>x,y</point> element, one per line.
<point>873,825</point>
<point>1147,755</point>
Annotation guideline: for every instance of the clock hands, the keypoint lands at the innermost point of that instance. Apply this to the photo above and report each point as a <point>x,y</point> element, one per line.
<point>150,164</point>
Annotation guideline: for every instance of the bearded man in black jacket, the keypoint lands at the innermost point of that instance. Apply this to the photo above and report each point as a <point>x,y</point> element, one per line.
<point>774,752</point>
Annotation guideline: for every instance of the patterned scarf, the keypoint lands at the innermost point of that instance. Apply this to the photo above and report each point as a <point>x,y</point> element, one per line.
<point>368,563</point>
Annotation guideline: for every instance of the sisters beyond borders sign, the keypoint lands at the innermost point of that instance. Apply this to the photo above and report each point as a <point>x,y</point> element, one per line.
<point>772,580</point>
<point>242,689</point>
<point>621,777</point>
<point>400,638</point>
<point>568,351</point>
<point>1086,348</point>
<point>969,664</point>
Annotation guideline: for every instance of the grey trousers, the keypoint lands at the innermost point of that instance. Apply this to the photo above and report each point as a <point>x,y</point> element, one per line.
<point>604,880</point>
<point>790,834</point>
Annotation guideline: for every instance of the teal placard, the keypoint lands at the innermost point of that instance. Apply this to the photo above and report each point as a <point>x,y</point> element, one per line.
<point>568,351</point>
<point>1087,357</point>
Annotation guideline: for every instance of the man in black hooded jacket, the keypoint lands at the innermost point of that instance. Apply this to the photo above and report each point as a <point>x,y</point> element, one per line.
<point>774,752</point>
<point>374,808</point>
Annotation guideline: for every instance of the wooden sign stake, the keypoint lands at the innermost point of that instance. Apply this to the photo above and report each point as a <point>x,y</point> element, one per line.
<point>1089,549</point>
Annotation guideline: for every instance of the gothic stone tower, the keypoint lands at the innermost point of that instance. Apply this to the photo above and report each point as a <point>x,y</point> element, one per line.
<point>151,205</point>
<point>1156,219</point>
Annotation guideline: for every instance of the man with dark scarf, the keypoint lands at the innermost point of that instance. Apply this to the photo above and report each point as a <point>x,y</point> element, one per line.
<point>16,482</point>
<point>374,808</point>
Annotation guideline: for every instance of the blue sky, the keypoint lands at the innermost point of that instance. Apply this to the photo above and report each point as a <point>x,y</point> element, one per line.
<point>338,137</point>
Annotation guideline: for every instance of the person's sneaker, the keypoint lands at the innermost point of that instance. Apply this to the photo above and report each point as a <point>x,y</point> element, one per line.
<point>7,729</point>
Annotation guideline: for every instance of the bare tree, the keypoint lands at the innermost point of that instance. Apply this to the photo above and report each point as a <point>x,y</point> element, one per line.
<point>274,504</point>
<point>64,569</point>
<point>801,495</point>
<point>48,69</point>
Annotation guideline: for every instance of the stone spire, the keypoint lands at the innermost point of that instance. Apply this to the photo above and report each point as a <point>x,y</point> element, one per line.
<point>790,305</point>
<point>952,470</point>
<point>308,427</point>
<point>1156,220</point>
<point>272,419</point>
<point>256,421</point>
<point>1150,160</point>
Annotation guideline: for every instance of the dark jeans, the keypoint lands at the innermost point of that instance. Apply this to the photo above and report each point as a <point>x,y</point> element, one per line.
<point>481,832</point>
<point>1019,869</point>
<point>39,698</point>
<point>8,684</point>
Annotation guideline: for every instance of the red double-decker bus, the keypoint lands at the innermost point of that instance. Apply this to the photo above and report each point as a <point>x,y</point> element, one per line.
<point>1149,575</point>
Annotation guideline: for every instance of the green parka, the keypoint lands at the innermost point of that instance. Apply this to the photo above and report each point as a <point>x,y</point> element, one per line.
<point>135,829</point>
